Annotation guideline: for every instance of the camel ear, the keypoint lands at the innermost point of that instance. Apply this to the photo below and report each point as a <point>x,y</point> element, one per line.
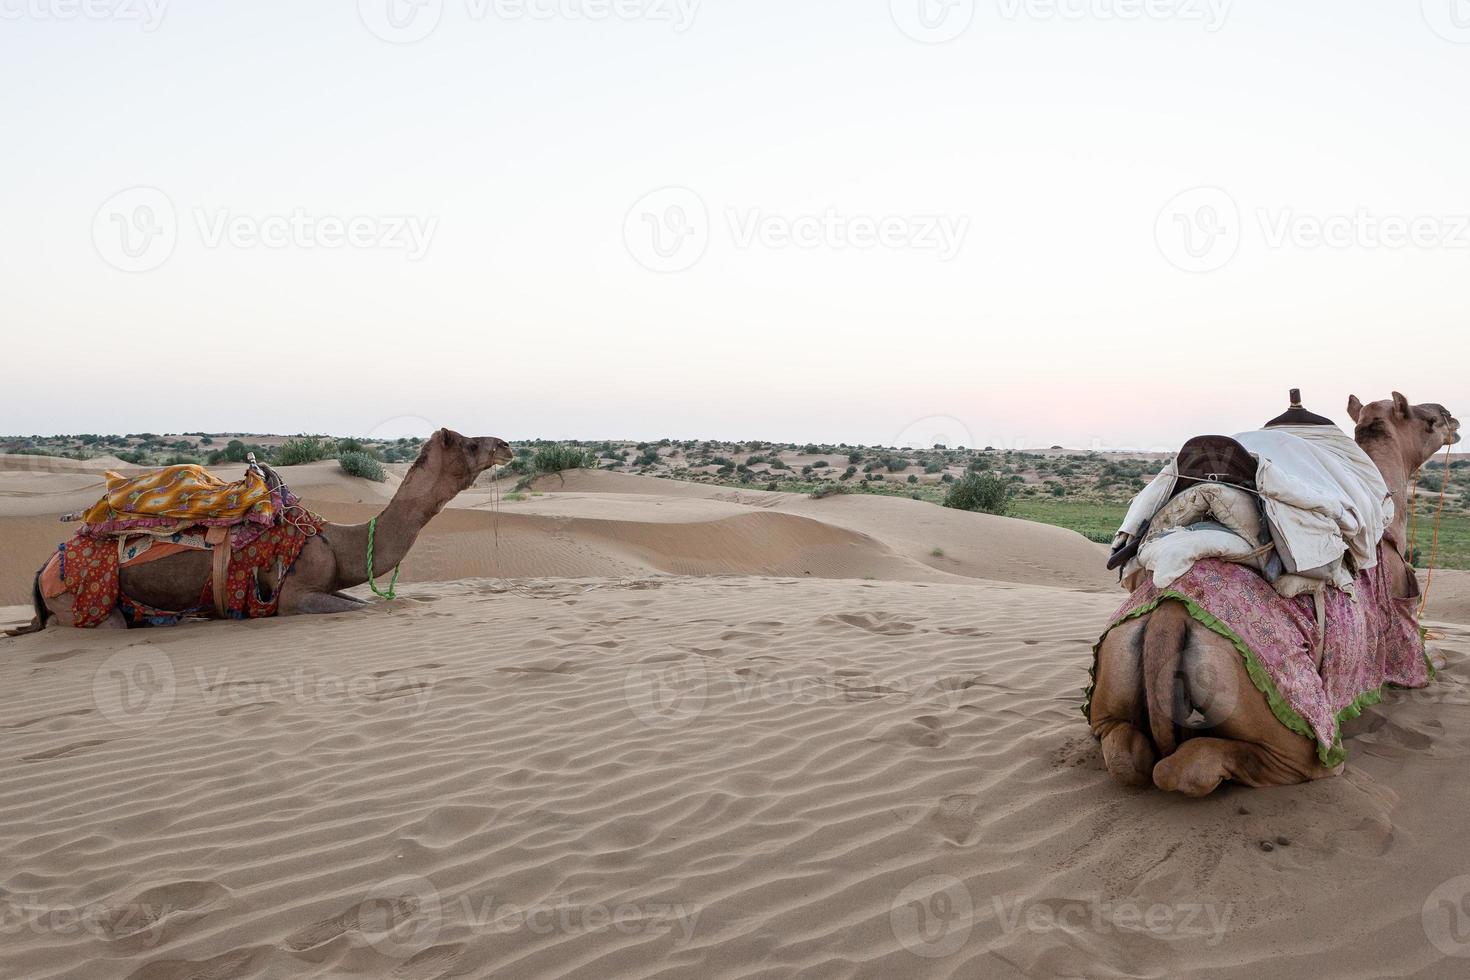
<point>1400,405</point>
<point>1355,407</point>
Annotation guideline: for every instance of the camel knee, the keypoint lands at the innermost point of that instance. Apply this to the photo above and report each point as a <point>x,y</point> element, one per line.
<point>1128,754</point>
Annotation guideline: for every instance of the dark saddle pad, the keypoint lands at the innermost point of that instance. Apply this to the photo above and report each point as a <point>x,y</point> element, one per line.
<point>1203,459</point>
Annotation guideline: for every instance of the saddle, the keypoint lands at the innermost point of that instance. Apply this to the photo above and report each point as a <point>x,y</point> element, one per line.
<point>1203,459</point>
<point>187,497</point>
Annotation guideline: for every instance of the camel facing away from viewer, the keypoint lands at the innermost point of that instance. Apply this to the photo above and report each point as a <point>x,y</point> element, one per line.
<point>330,561</point>
<point>1133,710</point>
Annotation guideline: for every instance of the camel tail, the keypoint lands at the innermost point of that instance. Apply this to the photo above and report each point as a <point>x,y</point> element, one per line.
<point>37,624</point>
<point>1164,638</point>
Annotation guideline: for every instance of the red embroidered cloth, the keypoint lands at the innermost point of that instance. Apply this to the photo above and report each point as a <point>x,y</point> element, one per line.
<point>89,568</point>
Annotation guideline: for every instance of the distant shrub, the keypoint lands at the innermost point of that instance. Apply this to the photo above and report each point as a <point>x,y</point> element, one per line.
<point>362,466</point>
<point>294,452</point>
<point>555,459</point>
<point>980,492</point>
<point>829,490</point>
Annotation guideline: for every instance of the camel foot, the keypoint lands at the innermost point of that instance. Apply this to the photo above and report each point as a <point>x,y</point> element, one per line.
<point>1129,756</point>
<point>320,603</point>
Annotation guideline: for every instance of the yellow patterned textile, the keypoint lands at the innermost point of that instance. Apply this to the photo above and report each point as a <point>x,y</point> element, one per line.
<point>182,493</point>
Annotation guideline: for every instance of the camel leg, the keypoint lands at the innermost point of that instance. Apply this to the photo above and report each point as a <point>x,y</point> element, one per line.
<point>1118,714</point>
<point>319,603</point>
<point>63,613</point>
<point>1248,744</point>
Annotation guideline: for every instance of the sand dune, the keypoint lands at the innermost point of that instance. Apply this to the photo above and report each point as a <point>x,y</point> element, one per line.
<point>751,776</point>
<point>632,727</point>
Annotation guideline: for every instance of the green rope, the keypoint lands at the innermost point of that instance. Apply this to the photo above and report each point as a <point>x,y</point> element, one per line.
<point>391,593</point>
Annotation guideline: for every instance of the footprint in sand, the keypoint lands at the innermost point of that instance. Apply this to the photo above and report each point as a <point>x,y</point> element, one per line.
<point>924,732</point>
<point>226,966</point>
<point>384,914</point>
<point>64,750</point>
<point>883,624</point>
<point>431,964</point>
<point>158,914</point>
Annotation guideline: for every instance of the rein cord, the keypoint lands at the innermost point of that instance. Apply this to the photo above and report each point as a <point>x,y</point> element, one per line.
<point>392,592</point>
<point>1414,526</point>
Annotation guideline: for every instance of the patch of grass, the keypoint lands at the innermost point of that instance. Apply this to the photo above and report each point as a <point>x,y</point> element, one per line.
<point>514,497</point>
<point>937,553</point>
<point>362,466</point>
<point>1093,519</point>
<point>1454,535</point>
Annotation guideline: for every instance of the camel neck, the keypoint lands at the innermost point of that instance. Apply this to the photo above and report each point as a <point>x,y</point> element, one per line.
<point>1394,463</point>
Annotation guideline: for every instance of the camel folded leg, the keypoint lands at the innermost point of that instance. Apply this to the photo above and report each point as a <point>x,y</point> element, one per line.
<point>319,603</point>
<point>1119,712</point>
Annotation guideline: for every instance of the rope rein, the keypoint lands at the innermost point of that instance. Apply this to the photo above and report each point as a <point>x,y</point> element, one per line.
<point>392,592</point>
<point>1438,514</point>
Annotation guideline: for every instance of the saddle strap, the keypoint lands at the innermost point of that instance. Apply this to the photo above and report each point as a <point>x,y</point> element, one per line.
<point>218,538</point>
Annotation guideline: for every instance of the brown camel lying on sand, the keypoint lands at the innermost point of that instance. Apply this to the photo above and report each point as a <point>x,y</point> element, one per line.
<point>334,559</point>
<point>1130,712</point>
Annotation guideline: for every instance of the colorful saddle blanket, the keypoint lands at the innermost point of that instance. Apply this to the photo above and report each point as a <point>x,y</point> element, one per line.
<point>1370,641</point>
<point>87,567</point>
<point>183,495</point>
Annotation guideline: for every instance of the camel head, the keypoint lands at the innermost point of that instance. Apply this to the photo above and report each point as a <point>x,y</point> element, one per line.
<point>1420,431</point>
<point>459,459</point>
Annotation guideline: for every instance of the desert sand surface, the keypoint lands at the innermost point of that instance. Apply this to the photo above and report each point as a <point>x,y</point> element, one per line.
<point>629,727</point>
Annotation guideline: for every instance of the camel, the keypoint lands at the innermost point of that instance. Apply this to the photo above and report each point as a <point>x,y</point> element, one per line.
<point>334,559</point>
<point>1133,712</point>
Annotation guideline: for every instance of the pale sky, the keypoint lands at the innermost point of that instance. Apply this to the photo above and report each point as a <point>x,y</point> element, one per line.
<point>1082,222</point>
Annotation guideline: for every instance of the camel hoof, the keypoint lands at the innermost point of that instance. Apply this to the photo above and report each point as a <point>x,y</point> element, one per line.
<point>1129,756</point>
<point>1177,774</point>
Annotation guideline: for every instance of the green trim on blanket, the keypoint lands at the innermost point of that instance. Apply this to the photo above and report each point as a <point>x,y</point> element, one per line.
<point>1331,755</point>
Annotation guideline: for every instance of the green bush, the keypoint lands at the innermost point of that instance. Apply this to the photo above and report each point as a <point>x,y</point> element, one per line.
<point>294,452</point>
<point>555,459</point>
<point>980,492</point>
<point>830,490</point>
<point>363,466</point>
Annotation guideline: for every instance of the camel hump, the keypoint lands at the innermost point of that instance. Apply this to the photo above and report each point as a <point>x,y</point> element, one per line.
<point>1164,637</point>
